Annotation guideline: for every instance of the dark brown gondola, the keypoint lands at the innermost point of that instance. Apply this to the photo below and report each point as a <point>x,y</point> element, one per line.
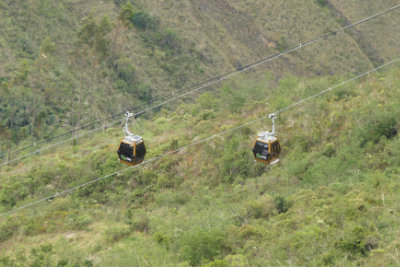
<point>266,147</point>
<point>131,150</point>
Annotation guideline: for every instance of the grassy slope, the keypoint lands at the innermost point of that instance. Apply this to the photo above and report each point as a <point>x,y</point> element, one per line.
<point>342,202</point>
<point>333,199</point>
<point>213,37</point>
<point>369,35</point>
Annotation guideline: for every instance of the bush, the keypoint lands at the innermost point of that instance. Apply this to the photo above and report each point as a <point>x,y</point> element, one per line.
<point>63,262</point>
<point>282,44</point>
<point>236,161</point>
<point>217,263</point>
<point>208,101</point>
<point>162,239</point>
<point>115,233</point>
<point>281,204</point>
<point>207,115</point>
<point>143,20</point>
<point>88,263</point>
<point>125,70</point>
<point>329,150</point>
<point>327,259</point>
<point>145,93</point>
<point>358,241</point>
<point>141,224</point>
<point>260,209</point>
<point>203,245</point>
<point>169,40</point>
<point>322,2</point>
<point>6,231</point>
<point>246,231</point>
<point>382,127</point>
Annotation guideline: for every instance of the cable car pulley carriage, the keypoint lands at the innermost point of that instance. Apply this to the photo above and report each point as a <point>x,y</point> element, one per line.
<point>266,147</point>
<point>131,150</point>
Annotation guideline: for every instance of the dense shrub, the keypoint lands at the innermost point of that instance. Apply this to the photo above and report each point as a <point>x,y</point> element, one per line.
<point>125,70</point>
<point>357,241</point>
<point>329,150</point>
<point>143,20</point>
<point>322,2</point>
<point>385,126</point>
<point>236,161</point>
<point>208,101</point>
<point>203,245</point>
<point>6,231</point>
<point>207,115</point>
<point>281,204</point>
<point>282,44</point>
<point>145,93</point>
<point>115,233</point>
<point>260,209</point>
<point>141,223</point>
<point>169,39</point>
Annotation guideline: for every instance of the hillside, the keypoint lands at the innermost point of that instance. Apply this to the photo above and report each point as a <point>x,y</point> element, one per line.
<point>54,79</point>
<point>332,200</point>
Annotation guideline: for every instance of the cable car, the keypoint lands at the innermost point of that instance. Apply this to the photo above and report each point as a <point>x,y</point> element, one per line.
<point>266,147</point>
<point>131,150</point>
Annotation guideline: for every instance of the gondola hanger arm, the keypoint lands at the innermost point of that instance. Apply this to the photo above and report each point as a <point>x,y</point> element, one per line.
<point>128,115</point>
<point>272,116</point>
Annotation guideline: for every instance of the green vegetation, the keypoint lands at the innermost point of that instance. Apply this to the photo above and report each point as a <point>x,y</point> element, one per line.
<point>332,200</point>
<point>322,2</point>
<point>143,20</point>
<point>78,62</point>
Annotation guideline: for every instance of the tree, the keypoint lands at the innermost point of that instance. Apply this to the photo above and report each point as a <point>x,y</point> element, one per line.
<point>95,37</point>
<point>79,57</point>
<point>5,133</point>
<point>7,128</point>
<point>36,85</point>
<point>124,17</point>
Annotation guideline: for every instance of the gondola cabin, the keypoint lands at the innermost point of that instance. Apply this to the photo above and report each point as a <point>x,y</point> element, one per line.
<point>132,150</point>
<point>266,148</point>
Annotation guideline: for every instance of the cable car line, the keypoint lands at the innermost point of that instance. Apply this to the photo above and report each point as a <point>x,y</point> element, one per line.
<point>132,167</point>
<point>200,141</point>
<point>59,143</point>
<point>208,83</point>
<point>336,86</point>
<point>230,74</point>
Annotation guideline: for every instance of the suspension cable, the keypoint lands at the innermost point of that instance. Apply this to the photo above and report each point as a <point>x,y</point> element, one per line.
<point>59,143</point>
<point>211,81</point>
<point>200,141</point>
<point>132,167</point>
<point>336,86</point>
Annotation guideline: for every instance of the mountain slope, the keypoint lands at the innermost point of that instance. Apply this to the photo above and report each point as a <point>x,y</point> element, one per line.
<point>52,82</point>
<point>332,200</point>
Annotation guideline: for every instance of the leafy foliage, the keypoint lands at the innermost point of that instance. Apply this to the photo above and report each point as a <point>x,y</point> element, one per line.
<point>203,245</point>
<point>143,20</point>
<point>332,199</point>
<point>212,205</point>
<point>281,204</point>
<point>381,127</point>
